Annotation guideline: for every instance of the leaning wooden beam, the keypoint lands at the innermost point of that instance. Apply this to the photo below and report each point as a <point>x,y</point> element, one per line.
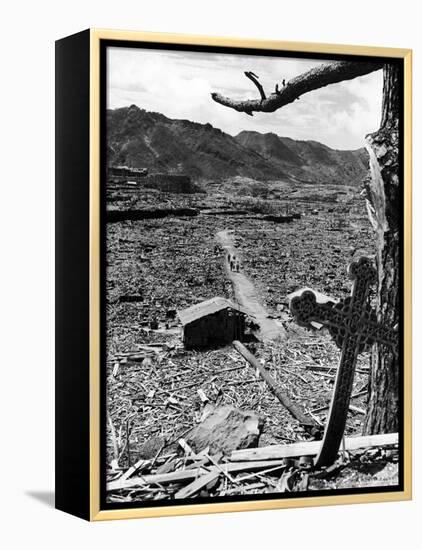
<point>311,448</point>
<point>318,77</point>
<point>282,397</point>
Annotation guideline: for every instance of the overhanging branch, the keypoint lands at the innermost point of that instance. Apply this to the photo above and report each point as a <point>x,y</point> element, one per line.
<point>323,75</point>
<point>254,78</point>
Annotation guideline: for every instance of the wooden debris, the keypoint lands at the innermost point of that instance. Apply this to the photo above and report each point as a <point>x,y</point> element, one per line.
<point>197,485</point>
<point>187,448</point>
<point>142,463</point>
<point>311,448</point>
<point>262,461</point>
<point>188,474</point>
<point>171,477</point>
<point>114,439</point>
<point>116,369</point>
<point>351,407</point>
<point>282,397</point>
<point>202,395</point>
<point>356,410</point>
<point>225,469</point>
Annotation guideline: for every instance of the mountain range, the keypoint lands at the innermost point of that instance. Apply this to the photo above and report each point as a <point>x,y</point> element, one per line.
<point>145,139</point>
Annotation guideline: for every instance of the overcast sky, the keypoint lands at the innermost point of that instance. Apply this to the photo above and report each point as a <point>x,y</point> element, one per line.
<point>179,84</point>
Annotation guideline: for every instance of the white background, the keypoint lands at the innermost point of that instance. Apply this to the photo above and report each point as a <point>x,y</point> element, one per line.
<point>27,273</point>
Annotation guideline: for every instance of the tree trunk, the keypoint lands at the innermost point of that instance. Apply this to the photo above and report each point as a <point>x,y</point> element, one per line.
<point>384,192</point>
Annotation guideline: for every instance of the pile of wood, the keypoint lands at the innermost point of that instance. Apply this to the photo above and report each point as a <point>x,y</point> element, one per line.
<point>159,390</point>
<point>185,474</point>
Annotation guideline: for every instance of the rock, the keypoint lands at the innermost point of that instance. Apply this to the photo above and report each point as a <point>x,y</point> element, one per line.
<point>226,429</point>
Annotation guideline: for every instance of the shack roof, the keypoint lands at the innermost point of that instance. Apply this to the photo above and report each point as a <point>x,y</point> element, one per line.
<point>208,308</point>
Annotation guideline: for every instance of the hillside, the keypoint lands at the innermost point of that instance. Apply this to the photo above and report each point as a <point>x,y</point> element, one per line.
<point>308,160</point>
<point>139,138</point>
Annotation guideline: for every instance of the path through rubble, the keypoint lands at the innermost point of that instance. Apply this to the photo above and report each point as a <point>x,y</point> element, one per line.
<point>246,293</point>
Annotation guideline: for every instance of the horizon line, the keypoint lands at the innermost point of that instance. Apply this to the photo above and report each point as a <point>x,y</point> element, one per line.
<point>228,133</point>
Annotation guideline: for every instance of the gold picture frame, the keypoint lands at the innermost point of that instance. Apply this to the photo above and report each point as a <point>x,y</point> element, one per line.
<point>95,513</point>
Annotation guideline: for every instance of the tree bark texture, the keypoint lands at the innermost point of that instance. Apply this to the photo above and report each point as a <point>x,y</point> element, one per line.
<point>319,77</point>
<point>384,190</point>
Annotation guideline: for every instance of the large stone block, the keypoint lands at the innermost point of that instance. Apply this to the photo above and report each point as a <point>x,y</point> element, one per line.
<point>226,429</point>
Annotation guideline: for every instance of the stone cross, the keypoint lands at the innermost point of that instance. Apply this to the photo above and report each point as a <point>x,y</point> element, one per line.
<point>354,327</point>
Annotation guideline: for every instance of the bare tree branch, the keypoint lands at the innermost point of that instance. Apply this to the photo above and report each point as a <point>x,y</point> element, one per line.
<point>323,75</point>
<point>254,78</point>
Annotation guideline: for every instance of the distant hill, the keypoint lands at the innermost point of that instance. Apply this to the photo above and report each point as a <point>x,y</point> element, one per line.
<point>140,138</point>
<point>308,160</point>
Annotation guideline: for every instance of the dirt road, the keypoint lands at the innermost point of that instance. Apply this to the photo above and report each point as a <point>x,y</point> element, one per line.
<point>246,293</point>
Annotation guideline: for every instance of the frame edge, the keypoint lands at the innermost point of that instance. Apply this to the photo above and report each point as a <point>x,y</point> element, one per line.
<point>96,514</point>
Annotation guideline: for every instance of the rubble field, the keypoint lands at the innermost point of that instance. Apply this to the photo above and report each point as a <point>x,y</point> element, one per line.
<point>158,392</point>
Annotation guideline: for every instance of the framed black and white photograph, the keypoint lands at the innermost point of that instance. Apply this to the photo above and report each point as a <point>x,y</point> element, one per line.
<point>233,274</point>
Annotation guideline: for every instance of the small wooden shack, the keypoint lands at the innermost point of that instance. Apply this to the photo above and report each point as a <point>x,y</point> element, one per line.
<point>212,323</point>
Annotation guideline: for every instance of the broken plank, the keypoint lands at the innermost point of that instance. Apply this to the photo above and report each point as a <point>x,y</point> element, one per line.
<point>311,448</point>
<point>171,477</point>
<point>293,409</point>
<point>225,469</point>
<point>142,463</point>
<point>197,485</point>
